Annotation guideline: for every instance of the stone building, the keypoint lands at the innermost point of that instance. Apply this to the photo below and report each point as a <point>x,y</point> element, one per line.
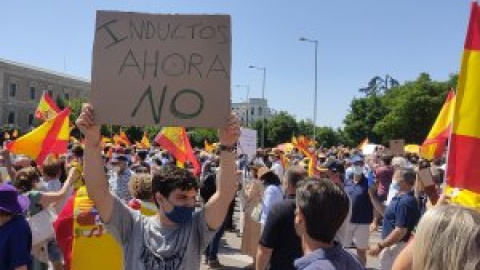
<point>252,110</point>
<point>21,87</point>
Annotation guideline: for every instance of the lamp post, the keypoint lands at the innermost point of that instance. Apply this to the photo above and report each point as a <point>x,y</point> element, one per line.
<point>315,96</point>
<point>247,102</point>
<point>264,69</point>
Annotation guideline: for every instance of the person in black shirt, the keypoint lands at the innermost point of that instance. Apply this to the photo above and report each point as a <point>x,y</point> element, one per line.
<point>279,243</point>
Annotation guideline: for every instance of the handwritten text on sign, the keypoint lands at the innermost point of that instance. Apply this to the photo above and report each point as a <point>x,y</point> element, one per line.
<point>172,70</point>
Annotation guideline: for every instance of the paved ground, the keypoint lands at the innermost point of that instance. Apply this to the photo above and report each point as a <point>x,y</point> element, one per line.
<point>231,257</point>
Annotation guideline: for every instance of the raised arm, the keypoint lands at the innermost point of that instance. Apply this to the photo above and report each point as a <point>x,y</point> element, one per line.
<point>95,178</point>
<point>8,164</point>
<point>217,207</point>
<point>55,197</point>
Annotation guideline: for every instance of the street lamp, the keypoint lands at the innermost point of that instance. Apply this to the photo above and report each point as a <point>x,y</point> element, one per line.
<point>315,97</point>
<point>246,86</point>
<point>264,69</point>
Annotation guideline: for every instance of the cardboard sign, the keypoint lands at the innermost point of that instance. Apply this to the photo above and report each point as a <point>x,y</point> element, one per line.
<point>169,70</point>
<point>247,143</point>
<point>425,176</point>
<point>397,147</point>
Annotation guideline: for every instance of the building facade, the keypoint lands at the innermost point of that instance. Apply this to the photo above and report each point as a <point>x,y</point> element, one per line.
<point>252,110</point>
<point>21,87</point>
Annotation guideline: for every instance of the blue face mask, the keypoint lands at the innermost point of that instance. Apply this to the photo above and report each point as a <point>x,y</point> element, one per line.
<point>180,214</point>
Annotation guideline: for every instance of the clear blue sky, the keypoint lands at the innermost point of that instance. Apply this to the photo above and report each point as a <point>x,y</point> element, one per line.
<point>357,40</point>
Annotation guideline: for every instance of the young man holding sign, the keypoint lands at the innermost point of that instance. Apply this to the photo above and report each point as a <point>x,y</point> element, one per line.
<point>176,236</point>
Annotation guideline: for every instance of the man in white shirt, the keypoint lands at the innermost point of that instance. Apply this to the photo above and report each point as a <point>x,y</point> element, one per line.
<point>277,166</point>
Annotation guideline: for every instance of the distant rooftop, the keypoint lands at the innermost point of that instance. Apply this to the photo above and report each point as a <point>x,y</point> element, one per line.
<point>34,68</point>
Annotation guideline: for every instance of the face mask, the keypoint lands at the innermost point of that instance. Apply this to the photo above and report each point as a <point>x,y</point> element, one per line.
<point>394,185</point>
<point>180,214</point>
<point>358,170</point>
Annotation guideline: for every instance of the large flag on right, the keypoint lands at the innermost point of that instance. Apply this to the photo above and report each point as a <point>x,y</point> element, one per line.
<point>463,171</point>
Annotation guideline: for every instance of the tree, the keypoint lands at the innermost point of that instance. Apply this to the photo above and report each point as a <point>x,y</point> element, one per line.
<point>281,127</point>
<point>378,85</point>
<point>327,137</point>
<point>363,116</point>
<point>199,135</point>
<point>414,107</point>
<point>305,127</point>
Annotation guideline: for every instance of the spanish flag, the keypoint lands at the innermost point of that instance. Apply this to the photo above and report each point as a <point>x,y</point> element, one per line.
<point>175,141</point>
<point>122,139</point>
<point>46,108</point>
<point>303,144</point>
<point>209,147</point>
<point>82,237</point>
<point>434,144</point>
<point>145,142</point>
<point>51,137</point>
<point>463,171</point>
<point>363,144</point>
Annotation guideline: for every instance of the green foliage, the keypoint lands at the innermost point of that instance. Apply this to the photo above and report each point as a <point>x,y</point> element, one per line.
<point>280,128</point>
<point>327,137</point>
<point>199,135</point>
<point>363,115</point>
<point>405,111</point>
<point>305,127</point>
<point>414,107</point>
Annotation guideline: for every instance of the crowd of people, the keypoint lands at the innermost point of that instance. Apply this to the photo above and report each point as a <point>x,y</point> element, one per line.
<point>165,217</point>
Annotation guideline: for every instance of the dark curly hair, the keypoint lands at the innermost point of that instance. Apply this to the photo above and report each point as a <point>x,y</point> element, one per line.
<point>171,178</point>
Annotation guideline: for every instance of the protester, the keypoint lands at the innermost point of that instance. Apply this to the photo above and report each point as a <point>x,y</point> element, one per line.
<point>208,187</point>
<point>176,236</point>
<point>447,237</point>
<point>253,192</point>
<point>321,209</point>
<point>272,194</point>
<point>399,218</point>
<point>383,175</point>
<point>279,244</point>
<point>334,172</point>
<point>277,166</point>
<point>362,211</point>
<point>140,187</point>
<point>28,183</point>
<point>120,176</point>
<point>15,233</point>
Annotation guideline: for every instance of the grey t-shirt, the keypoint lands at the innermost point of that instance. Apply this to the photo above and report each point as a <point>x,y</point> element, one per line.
<point>149,246</point>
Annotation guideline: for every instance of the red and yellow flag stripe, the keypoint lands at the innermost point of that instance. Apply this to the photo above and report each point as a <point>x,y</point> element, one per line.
<point>463,172</point>
<point>434,144</point>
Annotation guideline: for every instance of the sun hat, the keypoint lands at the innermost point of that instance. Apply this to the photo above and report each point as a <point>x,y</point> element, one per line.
<point>11,201</point>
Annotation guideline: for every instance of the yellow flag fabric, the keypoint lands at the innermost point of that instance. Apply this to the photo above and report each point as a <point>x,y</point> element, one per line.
<point>463,170</point>
<point>145,142</point>
<point>363,143</point>
<point>175,140</point>
<point>209,147</point>
<point>434,144</point>
<point>49,138</point>
<point>93,247</point>
<point>46,108</point>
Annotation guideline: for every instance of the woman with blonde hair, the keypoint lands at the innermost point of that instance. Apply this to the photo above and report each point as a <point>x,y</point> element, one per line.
<point>447,238</point>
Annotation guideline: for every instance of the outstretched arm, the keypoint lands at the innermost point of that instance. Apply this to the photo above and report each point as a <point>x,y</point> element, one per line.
<point>55,197</point>
<point>217,207</point>
<point>95,178</point>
